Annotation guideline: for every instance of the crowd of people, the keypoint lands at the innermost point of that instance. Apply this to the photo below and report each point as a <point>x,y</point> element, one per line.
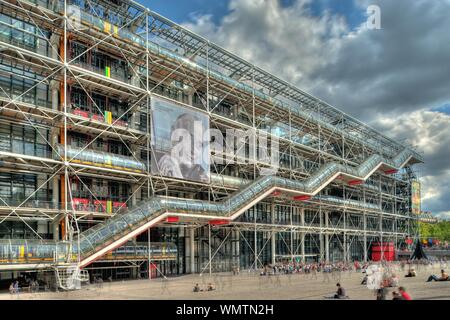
<point>31,285</point>
<point>391,274</point>
<point>311,268</point>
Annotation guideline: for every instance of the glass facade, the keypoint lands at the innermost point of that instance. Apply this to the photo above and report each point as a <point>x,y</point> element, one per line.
<point>111,162</point>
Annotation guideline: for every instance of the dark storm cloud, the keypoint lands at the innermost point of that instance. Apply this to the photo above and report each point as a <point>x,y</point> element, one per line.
<point>402,67</point>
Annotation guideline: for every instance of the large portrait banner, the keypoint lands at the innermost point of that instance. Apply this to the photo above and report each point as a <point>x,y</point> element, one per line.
<point>415,197</point>
<point>180,141</point>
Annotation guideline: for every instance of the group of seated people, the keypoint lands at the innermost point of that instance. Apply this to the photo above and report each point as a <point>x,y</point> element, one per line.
<point>388,281</point>
<point>401,295</point>
<point>391,281</point>
<point>197,288</point>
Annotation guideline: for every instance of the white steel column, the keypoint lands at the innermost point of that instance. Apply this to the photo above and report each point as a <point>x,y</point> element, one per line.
<point>302,234</point>
<point>345,238</point>
<point>235,248</point>
<point>365,235</point>
<point>365,227</point>
<point>327,240</point>
<point>292,234</point>
<point>66,164</point>
<point>321,236</point>
<point>209,249</point>
<point>255,245</point>
<point>192,248</point>
<point>273,235</point>
<point>381,222</point>
<point>149,254</point>
<point>55,201</point>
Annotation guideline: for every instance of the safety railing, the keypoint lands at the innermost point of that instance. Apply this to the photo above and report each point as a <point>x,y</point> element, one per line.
<point>90,206</point>
<point>17,251</point>
<point>118,226</point>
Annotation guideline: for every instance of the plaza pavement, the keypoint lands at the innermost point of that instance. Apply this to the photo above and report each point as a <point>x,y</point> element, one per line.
<point>246,286</point>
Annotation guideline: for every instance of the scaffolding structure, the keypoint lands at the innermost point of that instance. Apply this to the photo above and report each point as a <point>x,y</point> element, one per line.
<point>77,78</point>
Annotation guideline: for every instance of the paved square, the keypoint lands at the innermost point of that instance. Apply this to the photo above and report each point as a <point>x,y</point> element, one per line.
<point>250,287</point>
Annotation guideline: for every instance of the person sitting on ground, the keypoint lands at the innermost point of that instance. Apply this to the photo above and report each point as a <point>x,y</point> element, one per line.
<point>340,293</point>
<point>196,288</point>
<point>443,277</point>
<point>396,296</point>
<point>364,280</point>
<point>411,273</point>
<point>393,281</point>
<point>210,287</point>
<point>404,294</point>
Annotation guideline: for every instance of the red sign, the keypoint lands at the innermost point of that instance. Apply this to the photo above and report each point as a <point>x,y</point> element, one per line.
<point>81,113</point>
<point>172,219</point>
<point>383,251</point>
<point>302,198</point>
<point>355,182</point>
<point>218,222</point>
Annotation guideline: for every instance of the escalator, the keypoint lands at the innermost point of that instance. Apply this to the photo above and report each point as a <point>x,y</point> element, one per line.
<point>113,233</point>
<point>109,235</point>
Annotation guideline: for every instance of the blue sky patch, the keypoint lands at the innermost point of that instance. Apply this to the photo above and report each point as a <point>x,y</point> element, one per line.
<point>181,10</point>
<point>444,108</point>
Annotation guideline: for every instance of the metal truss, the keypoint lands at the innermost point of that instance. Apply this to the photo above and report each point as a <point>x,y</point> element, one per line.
<point>305,144</point>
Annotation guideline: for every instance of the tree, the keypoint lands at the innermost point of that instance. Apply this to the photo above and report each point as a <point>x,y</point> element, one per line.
<point>439,231</point>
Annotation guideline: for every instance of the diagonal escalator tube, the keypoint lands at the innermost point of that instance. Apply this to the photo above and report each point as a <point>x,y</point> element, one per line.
<point>122,227</point>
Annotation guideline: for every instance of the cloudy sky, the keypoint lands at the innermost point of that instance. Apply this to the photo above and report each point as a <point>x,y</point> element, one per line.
<point>397,78</point>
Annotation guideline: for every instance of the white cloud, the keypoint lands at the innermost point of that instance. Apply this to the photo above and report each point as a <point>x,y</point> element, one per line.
<point>287,41</point>
<point>387,77</point>
<point>430,132</point>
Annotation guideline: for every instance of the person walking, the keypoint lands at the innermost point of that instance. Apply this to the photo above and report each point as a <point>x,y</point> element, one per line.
<point>325,273</point>
<point>165,286</point>
<point>381,293</point>
<point>16,288</point>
